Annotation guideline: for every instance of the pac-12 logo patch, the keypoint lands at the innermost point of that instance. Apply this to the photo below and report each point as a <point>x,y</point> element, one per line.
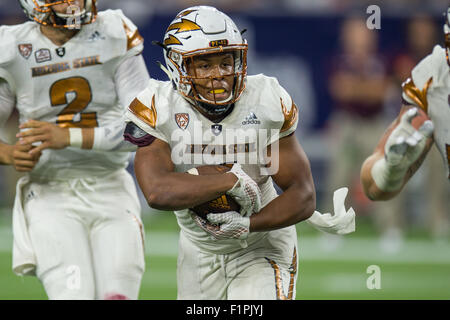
<point>182,120</point>
<point>25,50</point>
<point>43,55</point>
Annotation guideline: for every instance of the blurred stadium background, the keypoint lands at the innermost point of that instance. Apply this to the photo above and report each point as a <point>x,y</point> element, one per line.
<point>346,80</point>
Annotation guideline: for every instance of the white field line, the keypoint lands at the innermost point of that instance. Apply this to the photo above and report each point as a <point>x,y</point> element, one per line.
<point>348,248</point>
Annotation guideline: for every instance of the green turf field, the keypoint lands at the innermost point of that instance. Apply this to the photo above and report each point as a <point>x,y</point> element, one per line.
<point>329,268</point>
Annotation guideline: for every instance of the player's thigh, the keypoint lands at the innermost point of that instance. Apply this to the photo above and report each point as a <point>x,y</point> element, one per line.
<point>117,241</point>
<point>60,243</point>
<point>199,274</point>
<point>268,272</point>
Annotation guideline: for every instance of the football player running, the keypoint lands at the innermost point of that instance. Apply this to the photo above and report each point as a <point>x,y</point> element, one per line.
<point>403,147</point>
<point>210,113</point>
<point>76,218</point>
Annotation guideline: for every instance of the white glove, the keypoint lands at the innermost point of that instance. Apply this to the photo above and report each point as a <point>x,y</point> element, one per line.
<point>231,225</point>
<point>403,147</point>
<point>204,224</point>
<point>342,222</point>
<point>224,225</point>
<point>245,191</point>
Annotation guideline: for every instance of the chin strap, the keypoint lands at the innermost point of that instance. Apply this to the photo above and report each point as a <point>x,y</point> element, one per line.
<point>213,109</point>
<point>163,68</point>
<point>210,108</point>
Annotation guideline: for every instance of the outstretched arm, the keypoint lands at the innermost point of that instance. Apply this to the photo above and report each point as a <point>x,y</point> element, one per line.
<point>397,156</point>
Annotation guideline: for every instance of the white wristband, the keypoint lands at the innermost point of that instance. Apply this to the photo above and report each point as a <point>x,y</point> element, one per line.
<point>76,137</point>
<point>387,178</point>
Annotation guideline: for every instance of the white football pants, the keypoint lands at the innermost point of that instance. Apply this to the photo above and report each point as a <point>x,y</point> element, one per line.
<point>266,270</point>
<point>87,236</point>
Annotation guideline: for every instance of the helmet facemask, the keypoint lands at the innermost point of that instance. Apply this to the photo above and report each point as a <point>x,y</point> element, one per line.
<point>187,82</point>
<point>43,13</point>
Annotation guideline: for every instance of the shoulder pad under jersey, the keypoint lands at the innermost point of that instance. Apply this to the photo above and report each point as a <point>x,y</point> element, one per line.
<point>433,66</point>
<point>280,109</point>
<point>427,74</point>
<point>117,26</point>
<point>151,109</point>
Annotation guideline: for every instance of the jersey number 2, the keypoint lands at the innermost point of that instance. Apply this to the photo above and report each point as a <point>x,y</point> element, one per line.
<point>72,116</point>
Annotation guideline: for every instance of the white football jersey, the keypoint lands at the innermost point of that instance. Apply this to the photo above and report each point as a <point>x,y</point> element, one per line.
<point>72,86</point>
<point>430,90</point>
<point>264,113</point>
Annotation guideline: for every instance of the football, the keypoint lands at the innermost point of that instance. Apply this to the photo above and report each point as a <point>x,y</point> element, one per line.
<point>222,204</point>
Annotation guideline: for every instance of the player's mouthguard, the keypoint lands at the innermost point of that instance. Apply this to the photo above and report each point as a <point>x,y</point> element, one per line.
<point>217,91</point>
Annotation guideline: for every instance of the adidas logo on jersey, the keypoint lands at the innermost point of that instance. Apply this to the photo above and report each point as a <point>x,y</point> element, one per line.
<point>251,119</point>
<point>96,36</point>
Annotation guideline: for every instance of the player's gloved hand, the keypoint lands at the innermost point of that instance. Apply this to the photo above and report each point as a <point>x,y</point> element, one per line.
<point>48,134</point>
<point>406,144</point>
<point>403,147</point>
<point>205,224</point>
<point>230,225</point>
<point>245,191</point>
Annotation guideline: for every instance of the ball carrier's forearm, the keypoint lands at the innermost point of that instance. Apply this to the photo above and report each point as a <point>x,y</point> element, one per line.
<point>182,190</point>
<point>294,177</point>
<point>165,189</point>
<point>292,206</point>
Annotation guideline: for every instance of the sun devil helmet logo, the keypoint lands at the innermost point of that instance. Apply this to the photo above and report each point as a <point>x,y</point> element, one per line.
<point>184,25</point>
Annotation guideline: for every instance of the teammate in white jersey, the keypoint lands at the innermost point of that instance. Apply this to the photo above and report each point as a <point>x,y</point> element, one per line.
<point>211,112</point>
<point>402,149</point>
<point>76,217</point>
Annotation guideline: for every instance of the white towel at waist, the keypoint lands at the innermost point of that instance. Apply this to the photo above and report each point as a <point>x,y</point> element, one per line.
<point>342,222</point>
